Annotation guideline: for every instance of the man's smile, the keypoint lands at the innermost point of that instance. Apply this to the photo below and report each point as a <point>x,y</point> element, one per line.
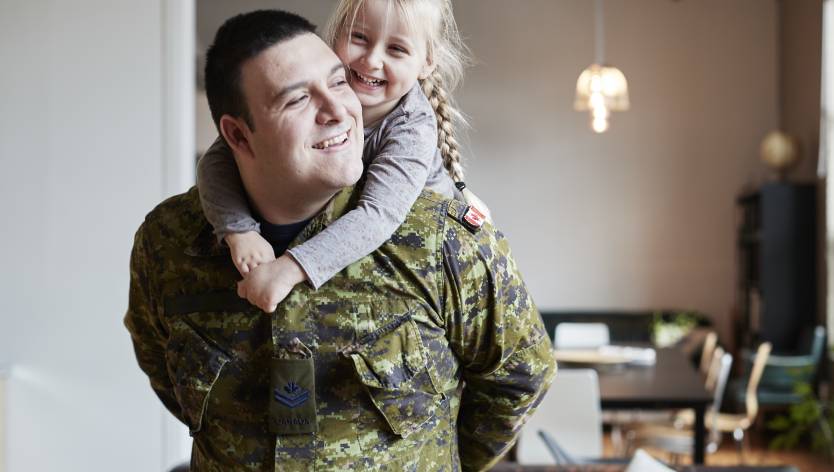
<point>338,141</point>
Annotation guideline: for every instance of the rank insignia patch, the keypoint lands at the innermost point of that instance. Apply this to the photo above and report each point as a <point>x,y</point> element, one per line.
<point>293,395</point>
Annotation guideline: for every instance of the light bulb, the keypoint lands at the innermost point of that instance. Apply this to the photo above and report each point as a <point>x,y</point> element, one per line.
<point>600,111</point>
<point>599,124</point>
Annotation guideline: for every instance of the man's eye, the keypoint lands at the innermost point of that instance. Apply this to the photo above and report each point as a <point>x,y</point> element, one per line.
<point>297,100</point>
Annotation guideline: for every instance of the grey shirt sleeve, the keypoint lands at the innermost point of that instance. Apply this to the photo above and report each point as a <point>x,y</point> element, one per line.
<point>394,179</point>
<point>221,192</point>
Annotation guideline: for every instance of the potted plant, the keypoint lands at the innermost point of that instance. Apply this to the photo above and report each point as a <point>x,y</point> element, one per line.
<point>669,330</point>
<point>810,417</point>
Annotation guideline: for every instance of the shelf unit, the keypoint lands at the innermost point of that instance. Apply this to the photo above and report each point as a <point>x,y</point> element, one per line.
<point>776,264</point>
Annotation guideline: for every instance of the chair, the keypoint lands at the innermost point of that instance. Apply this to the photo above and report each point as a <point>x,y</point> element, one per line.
<point>713,369</point>
<point>562,457</point>
<point>783,372</point>
<point>737,424</point>
<point>666,417</point>
<point>580,335</point>
<point>570,413</point>
<point>706,353</point>
<point>677,439</point>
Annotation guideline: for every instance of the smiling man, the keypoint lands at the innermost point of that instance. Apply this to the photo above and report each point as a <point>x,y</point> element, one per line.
<point>425,355</point>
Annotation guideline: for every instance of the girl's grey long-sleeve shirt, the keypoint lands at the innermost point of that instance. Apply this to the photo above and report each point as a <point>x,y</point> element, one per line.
<point>401,158</point>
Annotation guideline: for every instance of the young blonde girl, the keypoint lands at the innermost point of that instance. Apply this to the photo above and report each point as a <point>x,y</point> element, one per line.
<point>403,57</point>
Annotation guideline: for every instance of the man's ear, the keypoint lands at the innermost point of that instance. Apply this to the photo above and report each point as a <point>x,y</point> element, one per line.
<point>236,133</point>
<point>427,69</point>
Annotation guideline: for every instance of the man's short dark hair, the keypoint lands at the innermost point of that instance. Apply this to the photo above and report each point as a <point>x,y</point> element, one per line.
<point>241,38</point>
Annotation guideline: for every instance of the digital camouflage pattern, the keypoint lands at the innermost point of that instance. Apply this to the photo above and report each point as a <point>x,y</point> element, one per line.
<point>429,353</point>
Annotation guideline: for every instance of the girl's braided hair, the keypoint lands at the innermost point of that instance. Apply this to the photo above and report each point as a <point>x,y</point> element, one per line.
<point>447,115</point>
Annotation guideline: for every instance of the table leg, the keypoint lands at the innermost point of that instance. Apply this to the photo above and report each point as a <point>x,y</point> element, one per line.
<point>700,433</point>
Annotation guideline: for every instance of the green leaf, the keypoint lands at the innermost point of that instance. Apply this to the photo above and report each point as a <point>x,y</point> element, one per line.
<point>780,423</point>
<point>777,443</point>
<point>818,442</point>
<point>793,438</point>
<point>803,389</point>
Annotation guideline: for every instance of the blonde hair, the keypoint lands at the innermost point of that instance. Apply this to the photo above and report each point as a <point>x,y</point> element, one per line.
<point>445,50</point>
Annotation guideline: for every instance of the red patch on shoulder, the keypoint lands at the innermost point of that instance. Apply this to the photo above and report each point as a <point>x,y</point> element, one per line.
<point>473,218</point>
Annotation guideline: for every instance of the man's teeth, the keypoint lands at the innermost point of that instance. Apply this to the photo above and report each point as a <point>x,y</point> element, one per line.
<point>368,80</point>
<point>332,141</point>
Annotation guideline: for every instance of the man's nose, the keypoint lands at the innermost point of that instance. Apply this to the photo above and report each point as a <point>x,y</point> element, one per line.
<point>331,110</point>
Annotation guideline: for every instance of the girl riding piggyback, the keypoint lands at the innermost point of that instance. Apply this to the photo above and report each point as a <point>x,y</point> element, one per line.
<point>403,57</point>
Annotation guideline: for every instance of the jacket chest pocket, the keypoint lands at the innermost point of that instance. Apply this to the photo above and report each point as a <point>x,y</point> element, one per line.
<point>194,365</point>
<point>391,363</point>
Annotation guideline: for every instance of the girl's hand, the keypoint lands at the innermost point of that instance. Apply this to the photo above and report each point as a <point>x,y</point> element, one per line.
<point>249,250</point>
<point>268,284</point>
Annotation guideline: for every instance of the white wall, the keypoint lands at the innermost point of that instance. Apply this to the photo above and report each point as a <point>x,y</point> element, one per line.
<point>81,149</point>
<point>3,375</point>
<point>640,217</point>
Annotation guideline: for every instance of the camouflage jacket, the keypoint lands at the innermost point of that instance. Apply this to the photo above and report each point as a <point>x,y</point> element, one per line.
<point>429,353</point>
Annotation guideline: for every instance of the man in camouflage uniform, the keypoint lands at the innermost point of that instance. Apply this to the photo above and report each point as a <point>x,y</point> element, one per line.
<point>427,354</point>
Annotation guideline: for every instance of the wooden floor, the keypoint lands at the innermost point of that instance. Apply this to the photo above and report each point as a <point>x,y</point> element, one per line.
<point>756,453</point>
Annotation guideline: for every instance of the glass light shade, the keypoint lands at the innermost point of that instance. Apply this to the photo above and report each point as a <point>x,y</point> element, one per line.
<point>600,85</point>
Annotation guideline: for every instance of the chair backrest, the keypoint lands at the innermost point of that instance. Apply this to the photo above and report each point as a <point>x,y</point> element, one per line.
<point>580,335</point>
<point>751,400</point>
<point>818,343</point>
<point>714,369</point>
<point>725,362</point>
<point>570,413</point>
<point>706,353</point>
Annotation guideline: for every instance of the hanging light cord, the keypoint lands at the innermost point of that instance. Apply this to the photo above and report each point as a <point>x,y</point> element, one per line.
<point>600,33</point>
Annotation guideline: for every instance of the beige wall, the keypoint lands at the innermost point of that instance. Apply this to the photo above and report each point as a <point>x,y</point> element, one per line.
<point>642,216</point>
<point>800,53</point>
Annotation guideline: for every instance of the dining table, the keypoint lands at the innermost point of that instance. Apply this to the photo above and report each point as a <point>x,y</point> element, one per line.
<point>671,381</point>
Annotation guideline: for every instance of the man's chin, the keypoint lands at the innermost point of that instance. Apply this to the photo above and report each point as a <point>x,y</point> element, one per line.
<point>355,175</point>
<point>350,174</point>
<point>343,181</point>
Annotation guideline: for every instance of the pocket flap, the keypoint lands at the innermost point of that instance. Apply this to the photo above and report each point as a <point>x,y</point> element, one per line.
<point>392,367</point>
<point>391,359</point>
<point>195,367</point>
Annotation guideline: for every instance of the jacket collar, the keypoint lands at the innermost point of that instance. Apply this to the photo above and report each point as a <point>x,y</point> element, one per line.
<point>206,244</point>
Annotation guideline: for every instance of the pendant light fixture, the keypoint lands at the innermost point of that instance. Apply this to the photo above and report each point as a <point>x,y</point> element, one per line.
<point>601,88</point>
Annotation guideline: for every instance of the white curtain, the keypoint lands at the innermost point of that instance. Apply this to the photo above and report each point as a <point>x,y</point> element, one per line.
<point>826,159</point>
<point>827,92</point>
